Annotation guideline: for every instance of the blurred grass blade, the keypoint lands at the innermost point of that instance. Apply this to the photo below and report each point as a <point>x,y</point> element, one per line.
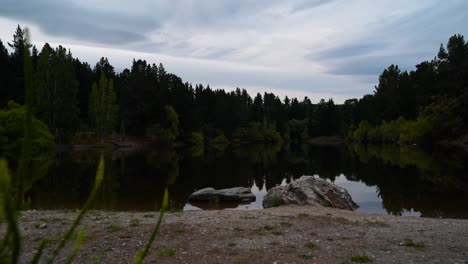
<point>92,195</point>
<point>11,241</point>
<point>165,204</point>
<point>24,168</point>
<point>39,252</point>
<point>76,248</point>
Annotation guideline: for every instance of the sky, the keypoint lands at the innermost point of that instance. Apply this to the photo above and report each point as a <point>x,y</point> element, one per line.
<point>315,48</point>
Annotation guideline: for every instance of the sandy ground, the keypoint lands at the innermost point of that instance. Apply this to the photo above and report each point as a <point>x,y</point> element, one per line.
<point>288,234</point>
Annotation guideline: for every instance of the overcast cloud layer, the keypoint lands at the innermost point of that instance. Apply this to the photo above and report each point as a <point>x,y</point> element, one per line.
<point>316,48</point>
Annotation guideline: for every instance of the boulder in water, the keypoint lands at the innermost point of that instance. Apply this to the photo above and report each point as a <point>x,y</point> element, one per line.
<point>310,190</point>
<point>236,194</point>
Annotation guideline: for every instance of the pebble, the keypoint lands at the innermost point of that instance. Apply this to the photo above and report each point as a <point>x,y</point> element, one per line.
<point>42,226</point>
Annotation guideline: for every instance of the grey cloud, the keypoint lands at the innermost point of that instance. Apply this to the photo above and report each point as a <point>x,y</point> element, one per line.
<point>344,51</point>
<point>63,18</point>
<point>309,4</point>
<point>412,39</point>
<point>218,53</point>
<point>275,80</point>
<point>374,65</point>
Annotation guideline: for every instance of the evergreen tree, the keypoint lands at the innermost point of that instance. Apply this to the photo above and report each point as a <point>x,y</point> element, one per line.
<point>257,108</point>
<point>168,130</point>
<point>84,76</point>
<point>103,66</point>
<point>5,81</point>
<point>103,107</point>
<point>56,93</point>
<point>16,91</point>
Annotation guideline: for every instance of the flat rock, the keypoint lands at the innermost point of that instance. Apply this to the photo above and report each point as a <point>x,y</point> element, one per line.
<point>236,194</point>
<point>310,190</point>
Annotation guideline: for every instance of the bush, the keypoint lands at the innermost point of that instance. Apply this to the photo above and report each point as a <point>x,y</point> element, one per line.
<point>257,132</point>
<point>197,144</point>
<point>417,131</point>
<point>196,139</point>
<point>360,134</point>
<point>390,132</point>
<point>437,121</point>
<point>298,129</point>
<point>11,131</point>
<point>168,130</point>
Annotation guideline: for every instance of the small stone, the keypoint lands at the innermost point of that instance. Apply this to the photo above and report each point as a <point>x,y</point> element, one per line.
<point>42,226</point>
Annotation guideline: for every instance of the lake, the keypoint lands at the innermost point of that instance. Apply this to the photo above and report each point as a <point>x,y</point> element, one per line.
<point>396,180</point>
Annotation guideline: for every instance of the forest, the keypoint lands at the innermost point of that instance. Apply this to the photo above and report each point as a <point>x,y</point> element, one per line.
<point>76,103</point>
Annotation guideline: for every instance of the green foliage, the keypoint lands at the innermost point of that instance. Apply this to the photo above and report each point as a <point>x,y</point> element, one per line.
<point>197,144</point>
<point>114,228</point>
<point>77,246</point>
<point>134,222</point>
<point>257,132</point>
<point>435,122</point>
<point>103,107</point>
<point>196,138</point>
<point>326,119</point>
<point>56,90</point>
<point>443,117</point>
<point>361,133</point>
<point>164,206</point>
<point>308,255</point>
<point>168,130</point>
<point>12,132</point>
<point>298,130</point>
<point>361,259</point>
<point>166,252</point>
<point>411,243</point>
<point>86,206</point>
<point>10,243</point>
<point>416,131</point>
<point>310,245</point>
<point>434,93</point>
<point>422,106</point>
<point>219,140</point>
<point>172,121</point>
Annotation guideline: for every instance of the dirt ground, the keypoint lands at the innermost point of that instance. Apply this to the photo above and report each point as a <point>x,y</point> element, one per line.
<point>288,234</point>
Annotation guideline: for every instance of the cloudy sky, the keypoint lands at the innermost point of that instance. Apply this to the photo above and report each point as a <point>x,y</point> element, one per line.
<point>316,48</point>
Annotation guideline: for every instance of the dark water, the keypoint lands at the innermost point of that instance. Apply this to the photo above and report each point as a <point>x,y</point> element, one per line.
<point>397,180</point>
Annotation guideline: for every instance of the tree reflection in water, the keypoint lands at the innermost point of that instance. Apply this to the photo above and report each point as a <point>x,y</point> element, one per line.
<point>406,178</point>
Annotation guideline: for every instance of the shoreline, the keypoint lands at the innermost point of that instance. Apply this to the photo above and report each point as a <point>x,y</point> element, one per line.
<point>286,234</point>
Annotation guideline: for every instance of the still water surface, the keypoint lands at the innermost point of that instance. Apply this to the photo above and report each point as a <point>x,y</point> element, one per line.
<point>397,180</point>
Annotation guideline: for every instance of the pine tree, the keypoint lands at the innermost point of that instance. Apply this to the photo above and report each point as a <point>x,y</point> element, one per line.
<point>103,106</point>
<point>56,100</point>
<point>5,81</point>
<point>16,92</point>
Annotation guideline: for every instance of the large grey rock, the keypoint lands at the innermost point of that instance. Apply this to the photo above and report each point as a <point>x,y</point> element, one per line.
<point>236,194</point>
<point>309,190</point>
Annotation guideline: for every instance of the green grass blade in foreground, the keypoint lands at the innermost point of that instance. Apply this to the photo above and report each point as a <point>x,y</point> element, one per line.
<point>39,252</point>
<point>165,203</point>
<point>68,235</point>
<point>11,241</point>
<point>76,248</point>
<point>25,159</point>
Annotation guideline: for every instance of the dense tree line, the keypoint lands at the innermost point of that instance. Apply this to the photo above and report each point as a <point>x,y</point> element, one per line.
<point>425,105</point>
<point>80,103</point>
